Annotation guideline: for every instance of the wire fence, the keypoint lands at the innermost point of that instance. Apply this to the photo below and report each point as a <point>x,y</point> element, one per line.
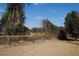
<point>16,38</point>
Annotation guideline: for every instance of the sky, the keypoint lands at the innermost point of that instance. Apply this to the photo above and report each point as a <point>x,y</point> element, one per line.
<point>36,12</point>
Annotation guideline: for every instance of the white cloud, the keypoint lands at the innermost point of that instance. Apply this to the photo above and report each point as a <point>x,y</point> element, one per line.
<point>60,18</point>
<point>40,17</point>
<point>2,10</point>
<point>53,11</point>
<point>27,25</point>
<point>38,4</point>
<point>35,4</point>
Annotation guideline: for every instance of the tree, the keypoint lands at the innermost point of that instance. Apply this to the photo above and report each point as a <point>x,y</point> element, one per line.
<point>48,27</point>
<point>72,24</point>
<point>13,19</point>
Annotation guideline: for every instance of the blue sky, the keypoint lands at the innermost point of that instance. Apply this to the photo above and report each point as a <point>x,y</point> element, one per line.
<point>35,13</point>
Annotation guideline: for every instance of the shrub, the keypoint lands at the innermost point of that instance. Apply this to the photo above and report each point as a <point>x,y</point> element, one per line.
<point>62,35</point>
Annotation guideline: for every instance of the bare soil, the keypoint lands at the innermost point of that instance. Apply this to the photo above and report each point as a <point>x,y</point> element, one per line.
<point>53,47</point>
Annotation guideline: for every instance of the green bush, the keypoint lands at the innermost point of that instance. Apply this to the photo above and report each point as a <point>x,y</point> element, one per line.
<point>62,35</point>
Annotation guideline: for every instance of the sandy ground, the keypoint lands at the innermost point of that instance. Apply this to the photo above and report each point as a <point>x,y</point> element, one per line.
<point>43,48</point>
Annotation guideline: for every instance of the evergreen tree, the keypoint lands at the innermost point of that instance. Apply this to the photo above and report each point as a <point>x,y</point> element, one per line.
<point>72,23</point>
<point>13,19</point>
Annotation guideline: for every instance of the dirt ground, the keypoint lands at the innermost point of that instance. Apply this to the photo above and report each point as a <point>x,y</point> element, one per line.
<point>52,47</point>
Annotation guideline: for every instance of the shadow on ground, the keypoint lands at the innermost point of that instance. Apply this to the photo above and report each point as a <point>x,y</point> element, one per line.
<point>72,41</point>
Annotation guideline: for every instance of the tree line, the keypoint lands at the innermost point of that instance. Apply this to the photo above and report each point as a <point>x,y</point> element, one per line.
<point>13,22</point>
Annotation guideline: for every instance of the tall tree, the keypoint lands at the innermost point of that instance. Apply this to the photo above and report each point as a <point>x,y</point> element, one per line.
<point>72,23</point>
<point>48,27</point>
<point>14,18</point>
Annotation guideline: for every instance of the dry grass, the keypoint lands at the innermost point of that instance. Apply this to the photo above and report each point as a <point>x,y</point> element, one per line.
<point>43,48</point>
